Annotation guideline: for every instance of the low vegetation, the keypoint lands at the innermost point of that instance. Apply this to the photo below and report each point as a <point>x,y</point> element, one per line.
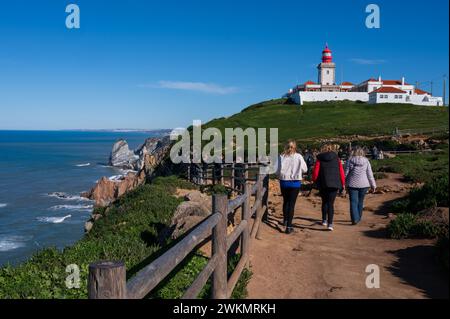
<point>129,232</point>
<point>421,167</point>
<point>413,212</point>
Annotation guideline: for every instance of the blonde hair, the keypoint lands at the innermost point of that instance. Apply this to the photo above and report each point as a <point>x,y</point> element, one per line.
<point>290,148</point>
<point>326,148</point>
<point>359,151</point>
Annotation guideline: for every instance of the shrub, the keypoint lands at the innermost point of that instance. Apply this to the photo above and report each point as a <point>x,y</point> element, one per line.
<point>128,232</point>
<point>379,175</point>
<point>216,189</point>
<point>409,225</point>
<point>401,226</point>
<point>431,194</point>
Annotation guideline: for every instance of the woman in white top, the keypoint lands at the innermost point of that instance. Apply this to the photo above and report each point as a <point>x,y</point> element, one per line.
<point>291,167</point>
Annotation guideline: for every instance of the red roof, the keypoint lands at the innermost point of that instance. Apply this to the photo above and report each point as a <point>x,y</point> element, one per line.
<point>385,89</point>
<point>421,92</point>
<point>346,83</point>
<point>309,82</point>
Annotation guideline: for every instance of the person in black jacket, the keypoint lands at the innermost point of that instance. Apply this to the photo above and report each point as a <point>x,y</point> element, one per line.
<point>329,177</point>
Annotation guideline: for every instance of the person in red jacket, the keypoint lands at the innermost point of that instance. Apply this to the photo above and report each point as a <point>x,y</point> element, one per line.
<point>329,177</point>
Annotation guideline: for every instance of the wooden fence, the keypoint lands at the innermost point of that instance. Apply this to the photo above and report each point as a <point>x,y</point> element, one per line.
<point>107,279</point>
<point>420,131</point>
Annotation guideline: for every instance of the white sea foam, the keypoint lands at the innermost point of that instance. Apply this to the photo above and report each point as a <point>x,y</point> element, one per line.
<point>53,220</point>
<point>72,207</point>
<point>12,242</point>
<point>65,196</point>
<point>83,165</point>
<point>2,205</point>
<point>115,178</point>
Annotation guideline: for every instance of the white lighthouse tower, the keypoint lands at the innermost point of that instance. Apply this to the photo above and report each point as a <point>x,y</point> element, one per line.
<point>327,71</point>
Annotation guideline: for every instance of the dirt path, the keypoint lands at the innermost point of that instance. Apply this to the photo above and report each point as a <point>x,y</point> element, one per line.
<point>315,263</point>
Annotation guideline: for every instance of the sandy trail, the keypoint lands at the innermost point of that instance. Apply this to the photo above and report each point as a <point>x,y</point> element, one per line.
<point>315,263</point>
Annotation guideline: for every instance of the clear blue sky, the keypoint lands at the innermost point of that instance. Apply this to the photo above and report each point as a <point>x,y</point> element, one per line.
<point>161,64</point>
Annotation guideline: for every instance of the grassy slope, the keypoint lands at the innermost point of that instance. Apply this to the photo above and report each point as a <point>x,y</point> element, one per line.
<point>129,232</point>
<point>416,167</point>
<point>331,119</point>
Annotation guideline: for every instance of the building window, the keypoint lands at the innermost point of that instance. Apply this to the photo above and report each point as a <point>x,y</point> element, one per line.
<point>328,71</point>
<point>381,96</point>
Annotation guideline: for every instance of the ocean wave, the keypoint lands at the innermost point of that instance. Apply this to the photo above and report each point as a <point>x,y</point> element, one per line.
<point>2,205</point>
<point>116,178</point>
<point>12,242</point>
<point>65,196</point>
<point>83,165</point>
<point>72,207</point>
<point>53,220</point>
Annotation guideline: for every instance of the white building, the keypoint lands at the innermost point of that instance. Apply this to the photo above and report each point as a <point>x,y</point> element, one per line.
<point>392,91</point>
<point>387,95</point>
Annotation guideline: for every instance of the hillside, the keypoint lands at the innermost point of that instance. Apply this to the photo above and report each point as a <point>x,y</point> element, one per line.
<point>331,119</point>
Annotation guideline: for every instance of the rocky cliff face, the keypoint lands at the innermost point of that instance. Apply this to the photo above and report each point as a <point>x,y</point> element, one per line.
<point>145,160</point>
<point>121,156</point>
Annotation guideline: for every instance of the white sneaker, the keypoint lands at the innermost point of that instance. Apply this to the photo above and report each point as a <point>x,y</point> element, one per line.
<point>324,224</point>
<point>330,228</point>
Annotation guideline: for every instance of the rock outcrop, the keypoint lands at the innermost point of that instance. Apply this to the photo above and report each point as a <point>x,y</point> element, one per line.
<point>195,208</point>
<point>121,156</point>
<point>107,191</point>
<point>150,156</point>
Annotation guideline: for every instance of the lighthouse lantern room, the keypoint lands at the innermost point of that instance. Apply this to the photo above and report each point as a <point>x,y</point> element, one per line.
<point>327,69</point>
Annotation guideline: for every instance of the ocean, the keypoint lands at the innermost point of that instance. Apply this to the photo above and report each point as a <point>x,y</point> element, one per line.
<point>42,174</point>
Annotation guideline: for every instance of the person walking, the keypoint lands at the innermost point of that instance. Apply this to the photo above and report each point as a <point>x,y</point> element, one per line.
<point>291,167</point>
<point>359,178</point>
<point>309,159</point>
<point>329,177</point>
<point>375,153</point>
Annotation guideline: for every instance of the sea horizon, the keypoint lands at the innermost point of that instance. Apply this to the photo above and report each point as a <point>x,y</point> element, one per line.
<point>42,174</point>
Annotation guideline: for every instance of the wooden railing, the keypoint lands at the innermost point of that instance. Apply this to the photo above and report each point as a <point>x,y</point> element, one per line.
<point>107,279</point>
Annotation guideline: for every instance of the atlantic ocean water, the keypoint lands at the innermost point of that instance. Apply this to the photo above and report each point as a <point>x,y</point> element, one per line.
<point>42,174</point>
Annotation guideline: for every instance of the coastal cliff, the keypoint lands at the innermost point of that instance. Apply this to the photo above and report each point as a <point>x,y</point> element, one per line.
<point>140,165</point>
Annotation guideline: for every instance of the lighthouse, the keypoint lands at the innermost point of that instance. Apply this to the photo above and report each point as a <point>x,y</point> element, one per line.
<point>327,70</point>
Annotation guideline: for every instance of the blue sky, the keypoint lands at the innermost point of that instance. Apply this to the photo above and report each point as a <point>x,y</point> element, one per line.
<point>162,64</point>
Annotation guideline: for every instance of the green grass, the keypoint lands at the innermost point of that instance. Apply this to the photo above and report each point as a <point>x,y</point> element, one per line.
<point>128,232</point>
<point>332,119</point>
<point>418,167</point>
<point>411,226</point>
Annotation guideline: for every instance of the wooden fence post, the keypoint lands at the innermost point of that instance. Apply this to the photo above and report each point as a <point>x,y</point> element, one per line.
<point>219,247</point>
<point>245,239</point>
<point>107,280</point>
<point>259,211</point>
<point>200,174</point>
<point>232,174</point>
<point>222,181</point>
<point>265,199</point>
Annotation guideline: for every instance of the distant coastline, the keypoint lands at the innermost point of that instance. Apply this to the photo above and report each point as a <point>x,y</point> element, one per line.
<point>117,130</point>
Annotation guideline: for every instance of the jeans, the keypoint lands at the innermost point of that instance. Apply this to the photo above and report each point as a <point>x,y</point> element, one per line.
<point>290,195</point>
<point>328,196</point>
<point>356,203</point>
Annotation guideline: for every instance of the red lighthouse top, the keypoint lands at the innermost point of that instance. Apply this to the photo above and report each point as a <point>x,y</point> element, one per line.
<point>326,55</point>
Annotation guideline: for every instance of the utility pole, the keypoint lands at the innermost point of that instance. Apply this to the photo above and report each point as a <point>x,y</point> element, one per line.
<point>431,88</point>
<point>445,75</point>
